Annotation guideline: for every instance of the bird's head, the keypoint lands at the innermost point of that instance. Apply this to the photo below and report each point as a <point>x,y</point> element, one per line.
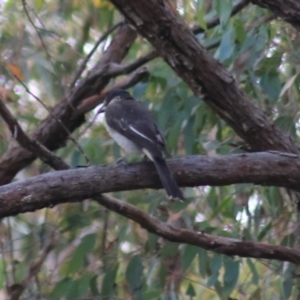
<point>114,95</point>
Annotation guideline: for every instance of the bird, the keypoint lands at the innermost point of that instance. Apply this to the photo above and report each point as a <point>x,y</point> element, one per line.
<point>133,128</point>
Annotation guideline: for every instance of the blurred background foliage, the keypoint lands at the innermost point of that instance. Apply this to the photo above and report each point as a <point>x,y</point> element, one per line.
<point>100,255</point>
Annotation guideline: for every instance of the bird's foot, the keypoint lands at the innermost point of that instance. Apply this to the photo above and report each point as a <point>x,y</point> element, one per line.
<point>121,161</point>
<point>82,166</point>
<point>145,158</point>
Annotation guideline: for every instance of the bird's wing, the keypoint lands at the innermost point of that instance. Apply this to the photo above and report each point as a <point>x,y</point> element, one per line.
<point>144,134</point>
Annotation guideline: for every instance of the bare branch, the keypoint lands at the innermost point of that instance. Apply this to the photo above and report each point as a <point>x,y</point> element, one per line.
<point>217,244</point>
<point>29,144</point>
<point>288,10</point>
<point>272,169</point>
<point>116,70</point>
<point>88,57</point>
<point>25,5</point>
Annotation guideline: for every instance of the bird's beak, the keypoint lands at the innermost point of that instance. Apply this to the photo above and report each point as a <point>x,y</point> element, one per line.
<point>102,109</point>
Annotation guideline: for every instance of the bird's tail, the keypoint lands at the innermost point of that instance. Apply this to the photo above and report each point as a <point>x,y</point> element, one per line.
<point>167,179</point>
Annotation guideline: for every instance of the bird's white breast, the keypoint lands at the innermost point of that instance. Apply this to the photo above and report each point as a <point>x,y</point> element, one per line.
<point>128,146</point>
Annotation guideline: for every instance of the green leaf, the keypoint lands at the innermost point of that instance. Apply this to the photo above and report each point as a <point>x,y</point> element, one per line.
<point>76,262</point>
<point>216,263</point>
<point>226,47</point>
<point>240,32</point>
<point>189,136</point>
<point>204,261</point>
<point>265,231</point>
<point>139,90</point>
<point>94,286</point>
<point>288,281</point>
<point>255,277</point>
<point>231,275</point>
<point>174,133</point>
<point>224,8</point>
<point>169,249</point>
<point>287,287</point>
<point>134,273</point>
<point>256,294</point>
<point>286,123</point>
<point>79,287</point>
<point>88,243</point>
<point>219,209</point>
<point>190,291</point>
<point>271,85</point>
<point>108,282</point>
<point>200,18</point>
<point>288,241</point>
<point>188,255</point>
<point>152,295</point>
<point>152,242</point>
<point>61,288</point>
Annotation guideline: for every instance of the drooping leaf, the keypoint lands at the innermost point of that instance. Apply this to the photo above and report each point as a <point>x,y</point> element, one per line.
<point>108,282</point>
<point>86,246</point>
<point>226,47</point>
<point>231,275</point>
<point>134,274</point>
<point>215,265</point>
<point>188,256</point>
<point>190,291</point>
<point>61,288</point>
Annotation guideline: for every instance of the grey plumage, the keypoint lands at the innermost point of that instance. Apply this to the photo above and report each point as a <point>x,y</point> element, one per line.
<point>132,126</point>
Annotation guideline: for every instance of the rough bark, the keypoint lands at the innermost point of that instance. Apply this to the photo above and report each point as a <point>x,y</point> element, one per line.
<point>174,41</point>
<point>274,169</point>
<point>288,10</point>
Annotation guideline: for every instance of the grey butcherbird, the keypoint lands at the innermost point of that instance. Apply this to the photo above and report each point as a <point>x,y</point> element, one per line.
<point>133,128</point>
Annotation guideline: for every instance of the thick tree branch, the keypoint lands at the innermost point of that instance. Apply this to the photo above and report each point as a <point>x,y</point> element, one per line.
<point>174,41</point>
<point>227,246</point>
<point>274,169</point>
<point>288,10</point>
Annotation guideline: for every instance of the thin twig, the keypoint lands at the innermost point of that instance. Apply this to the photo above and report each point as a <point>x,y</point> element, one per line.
<point>34,269</point>
<point>88,57</point>
<point>104,236</point>
<point>25,5</point>
<point>116,69</point>
<point>11,250</point>
<point>58,120</point>
<point>50,32</point>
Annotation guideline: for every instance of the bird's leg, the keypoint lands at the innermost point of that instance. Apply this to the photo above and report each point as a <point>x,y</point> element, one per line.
<point>145,158</point>
<point>121,161</point>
